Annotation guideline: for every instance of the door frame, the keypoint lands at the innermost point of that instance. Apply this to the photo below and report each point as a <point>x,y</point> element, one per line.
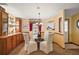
<point>68,29</point>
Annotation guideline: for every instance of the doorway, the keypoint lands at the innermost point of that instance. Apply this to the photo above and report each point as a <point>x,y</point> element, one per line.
<point>66,30</point>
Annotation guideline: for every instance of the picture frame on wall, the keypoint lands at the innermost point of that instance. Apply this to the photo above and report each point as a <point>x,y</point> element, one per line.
<point>51,26</point>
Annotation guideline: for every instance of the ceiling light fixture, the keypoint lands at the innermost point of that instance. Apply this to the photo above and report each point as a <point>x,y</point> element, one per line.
<point>36,20</point>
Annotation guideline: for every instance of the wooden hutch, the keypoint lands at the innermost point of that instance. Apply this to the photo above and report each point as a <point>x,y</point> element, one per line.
<point>9,42</point>
<point>18,24</point>
<point>3,22</point>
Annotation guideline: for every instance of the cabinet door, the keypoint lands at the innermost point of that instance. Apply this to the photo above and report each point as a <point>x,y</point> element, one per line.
<point>0,24</point>
<point>21,38</point>
<point>1,46</point>
<point>18,25</point>
<point>9,44</point>
<point>14,42</point>
<point>18,39</point>
<point>4,23</point>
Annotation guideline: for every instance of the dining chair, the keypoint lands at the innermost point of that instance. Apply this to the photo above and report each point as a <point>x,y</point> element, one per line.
<point>46,45</point>
<point>30,45</point>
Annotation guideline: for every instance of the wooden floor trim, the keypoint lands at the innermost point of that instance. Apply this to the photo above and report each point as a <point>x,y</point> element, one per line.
<point>73,43</point>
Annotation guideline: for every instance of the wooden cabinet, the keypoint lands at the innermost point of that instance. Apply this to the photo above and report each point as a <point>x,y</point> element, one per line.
<point>14,42</point>
<point>18,25</point>
<point>18,39</point>
<point>3,46</point>
<point>14,24</point>
<point>3,22</point>
<point>11,24</point>
<point>10,42</point>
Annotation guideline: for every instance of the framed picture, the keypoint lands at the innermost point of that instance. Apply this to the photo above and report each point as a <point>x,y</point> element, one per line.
<point>51,26</point>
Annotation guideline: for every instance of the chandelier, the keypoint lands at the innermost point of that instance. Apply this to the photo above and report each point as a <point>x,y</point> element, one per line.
<point>36,20</point>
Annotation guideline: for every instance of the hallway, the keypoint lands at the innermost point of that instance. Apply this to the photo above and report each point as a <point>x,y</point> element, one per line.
<point>71,46</point>
<point>57,51</point>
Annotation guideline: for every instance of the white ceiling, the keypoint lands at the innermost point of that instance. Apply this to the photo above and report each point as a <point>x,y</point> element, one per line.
<point>47,10</point>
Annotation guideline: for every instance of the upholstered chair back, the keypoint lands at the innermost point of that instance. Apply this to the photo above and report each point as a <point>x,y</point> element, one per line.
<point>26,37</point>
<point>46,35</point>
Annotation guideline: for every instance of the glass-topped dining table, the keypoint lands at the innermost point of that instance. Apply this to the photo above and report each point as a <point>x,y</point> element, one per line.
<point>38,42</point>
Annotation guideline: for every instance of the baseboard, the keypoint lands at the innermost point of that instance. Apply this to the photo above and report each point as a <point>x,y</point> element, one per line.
<point>75,43</point>
<point>71,43</point>
<point>68,43</point>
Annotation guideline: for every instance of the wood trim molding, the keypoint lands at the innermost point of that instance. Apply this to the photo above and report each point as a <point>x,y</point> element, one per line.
<point>68,43</point>
<point>10,35</point>
<point>58,45</point>
<point>72,43</point>
<point>58,33</point>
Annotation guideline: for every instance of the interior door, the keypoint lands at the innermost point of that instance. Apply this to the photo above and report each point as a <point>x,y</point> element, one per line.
<point>66,30</point>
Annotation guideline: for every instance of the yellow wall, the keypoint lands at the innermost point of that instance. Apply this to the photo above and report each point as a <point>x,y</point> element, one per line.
<point>58,37</point>
<point>74,30</point>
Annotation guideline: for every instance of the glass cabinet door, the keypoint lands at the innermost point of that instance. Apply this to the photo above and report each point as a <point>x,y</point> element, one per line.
<point>4,23</point>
